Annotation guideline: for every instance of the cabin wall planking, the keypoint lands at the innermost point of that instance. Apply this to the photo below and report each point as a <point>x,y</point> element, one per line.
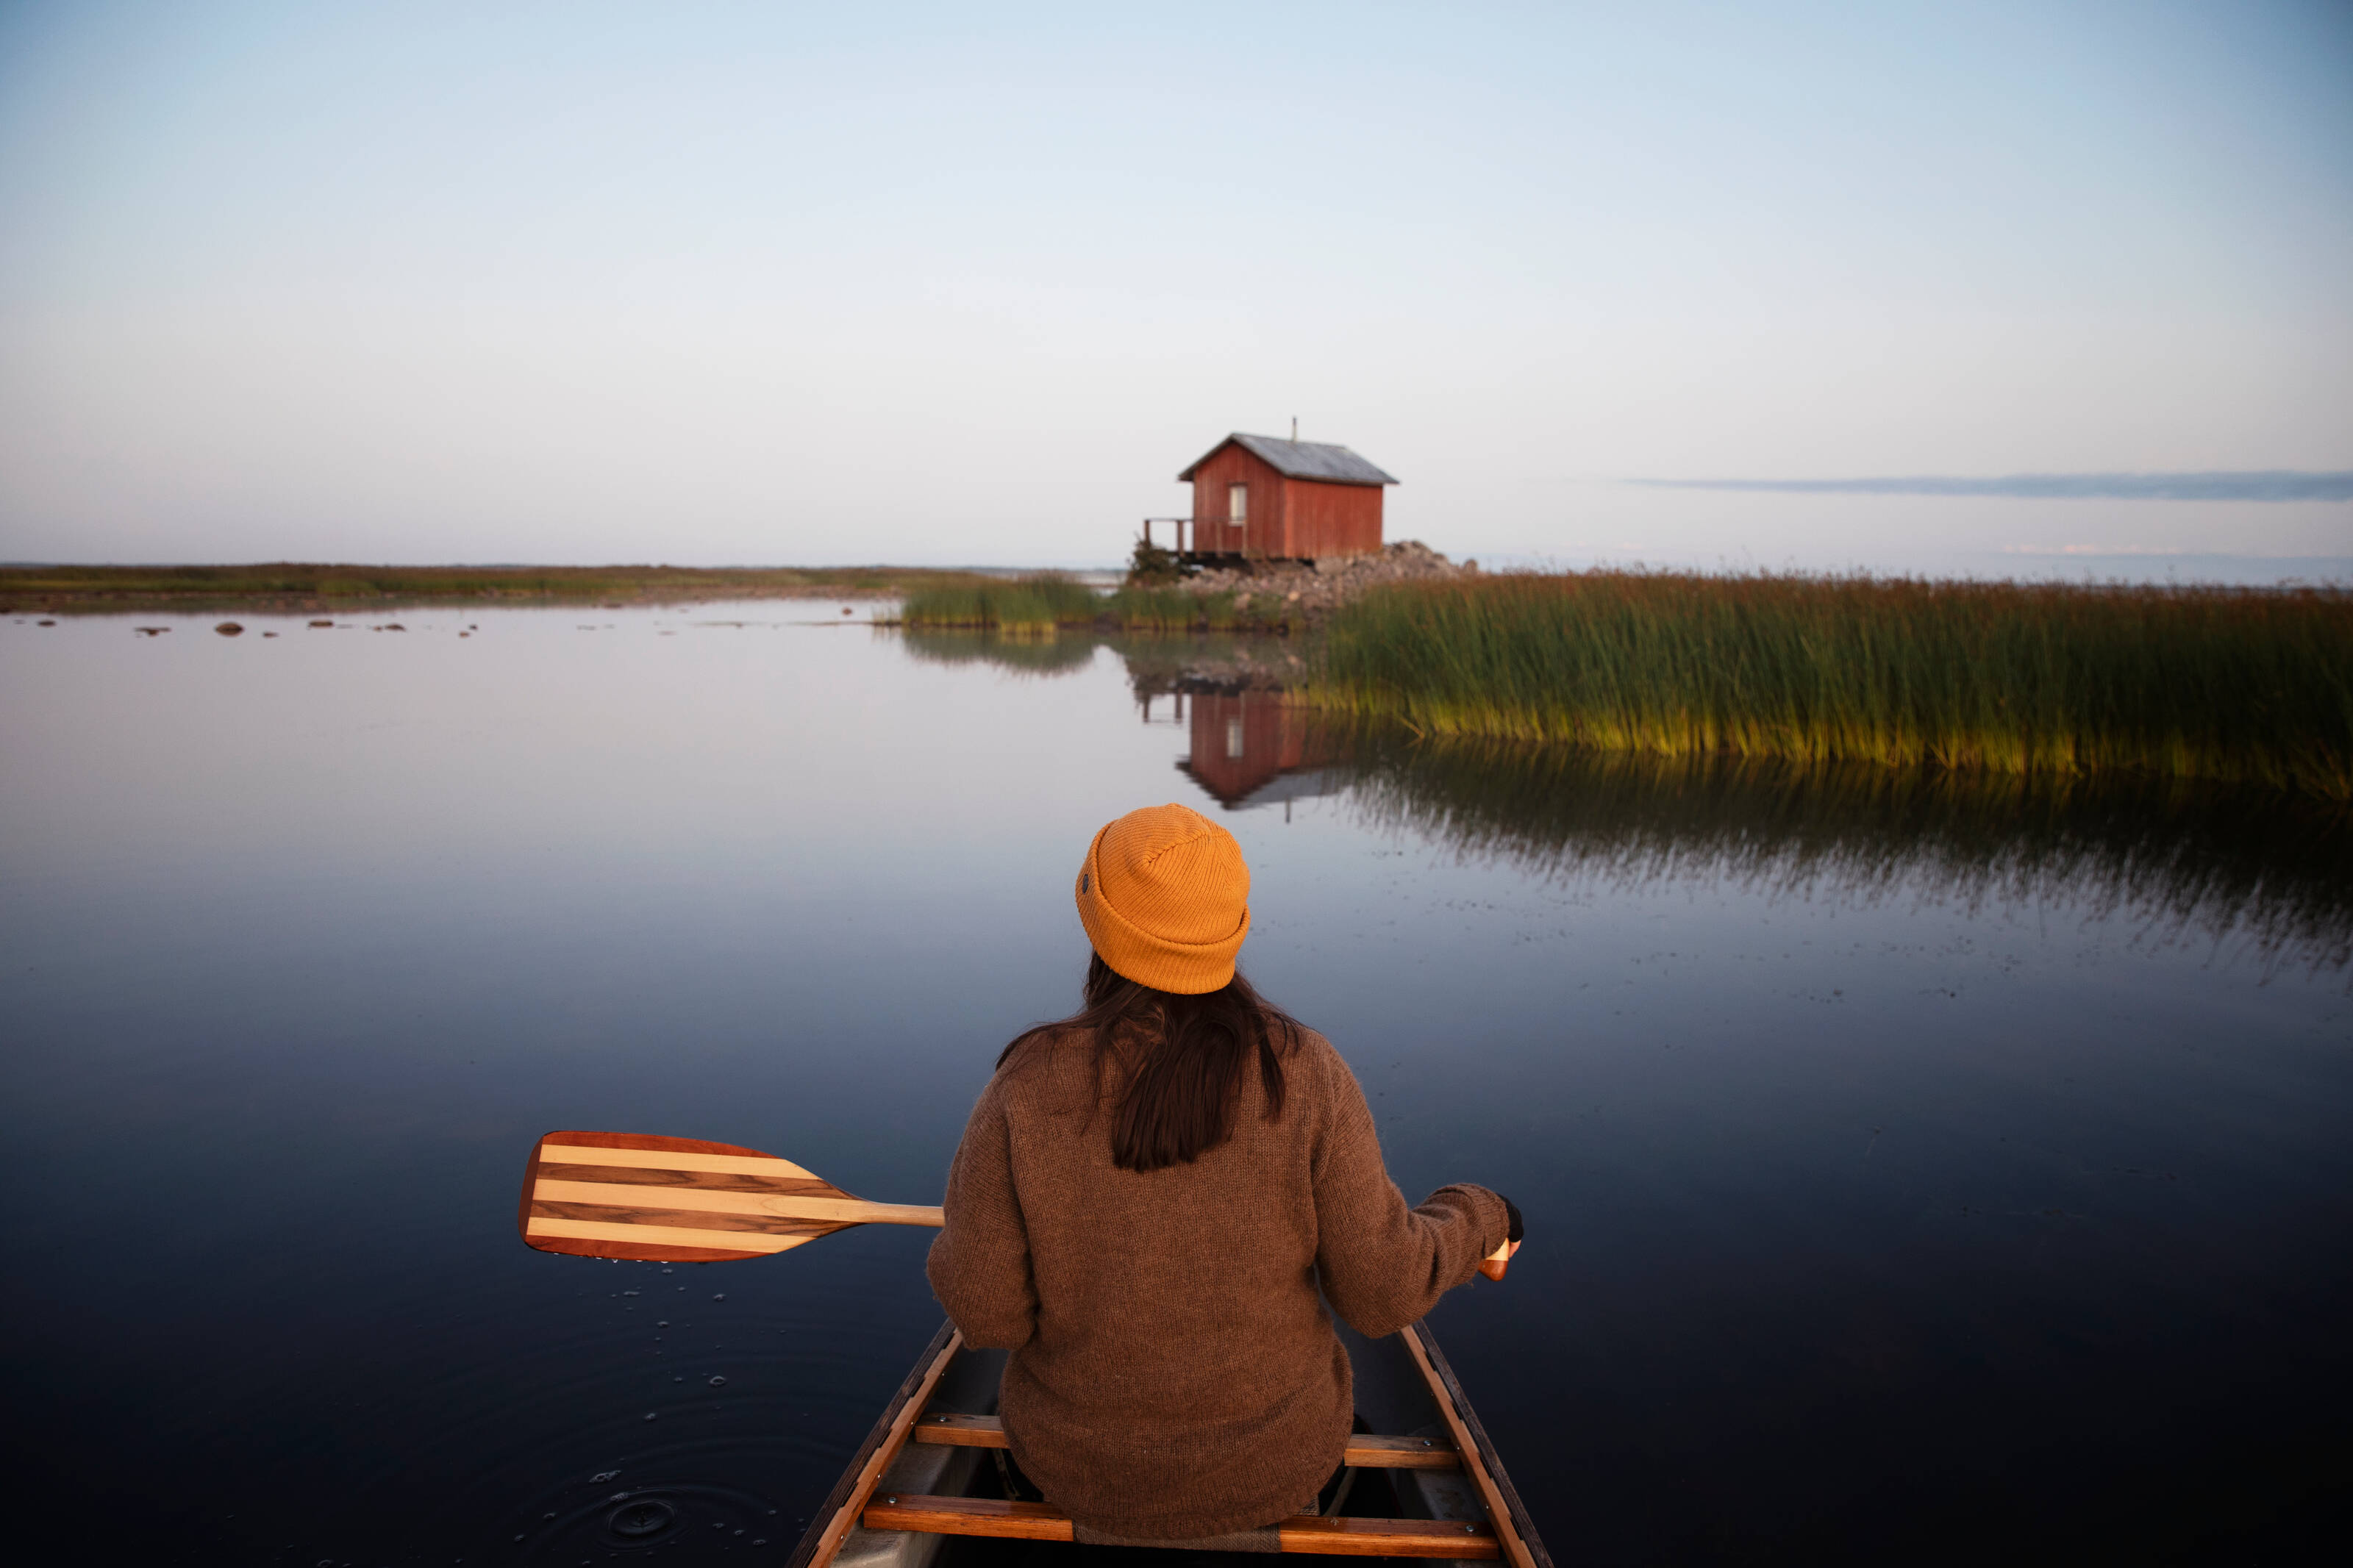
<point>1321,518</point>
<point>1288,517</point>
<point>1213,533</point>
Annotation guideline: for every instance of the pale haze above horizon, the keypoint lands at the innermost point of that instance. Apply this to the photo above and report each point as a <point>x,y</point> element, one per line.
<point>1891,287</point>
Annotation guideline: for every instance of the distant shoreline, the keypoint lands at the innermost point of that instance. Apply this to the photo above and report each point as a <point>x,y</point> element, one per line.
<point>300,585</point>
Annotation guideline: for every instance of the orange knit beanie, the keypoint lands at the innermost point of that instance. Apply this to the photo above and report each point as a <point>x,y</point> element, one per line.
<point>1165,898</point>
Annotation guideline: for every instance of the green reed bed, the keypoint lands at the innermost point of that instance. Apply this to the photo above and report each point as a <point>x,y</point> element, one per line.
<point>2249,686</point>
<point>1147,609</point>
<point>1044,601</point>
<point>1039,603</point>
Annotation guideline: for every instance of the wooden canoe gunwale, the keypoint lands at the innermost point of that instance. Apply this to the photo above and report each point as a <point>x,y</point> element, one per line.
<point>1507,1532</point>
<point>832,1522</point>
<point>1514,1527</point>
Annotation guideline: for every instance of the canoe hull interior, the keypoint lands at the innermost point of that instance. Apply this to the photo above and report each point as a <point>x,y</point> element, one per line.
<point>1394,1399</point>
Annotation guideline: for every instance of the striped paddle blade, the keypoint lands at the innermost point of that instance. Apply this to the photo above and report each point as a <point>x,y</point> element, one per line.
<point>629,1195</point>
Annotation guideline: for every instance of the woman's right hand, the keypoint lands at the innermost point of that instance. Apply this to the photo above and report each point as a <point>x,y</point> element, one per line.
<point>1495,1262</point>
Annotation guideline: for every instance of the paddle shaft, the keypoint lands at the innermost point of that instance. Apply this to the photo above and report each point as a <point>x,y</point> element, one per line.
<point>618,1195</point>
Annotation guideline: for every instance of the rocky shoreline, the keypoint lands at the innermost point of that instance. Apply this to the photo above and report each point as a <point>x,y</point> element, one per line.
<point>1313,591</point>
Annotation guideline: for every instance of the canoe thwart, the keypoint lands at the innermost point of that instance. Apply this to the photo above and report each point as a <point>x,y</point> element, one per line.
<point>960,1431</point>
<point>1346,1537</point>
<point>1306,1534</point>
<point>969,1516</point>
<point>1366,1451</point>
<point>1375,1451</point>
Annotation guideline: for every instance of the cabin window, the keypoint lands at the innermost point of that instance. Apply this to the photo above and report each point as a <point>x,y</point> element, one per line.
<point>1233,737</point>
<point>1236,505</point>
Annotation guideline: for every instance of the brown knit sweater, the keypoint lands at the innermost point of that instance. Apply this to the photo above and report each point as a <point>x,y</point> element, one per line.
<point>1174,1374</point>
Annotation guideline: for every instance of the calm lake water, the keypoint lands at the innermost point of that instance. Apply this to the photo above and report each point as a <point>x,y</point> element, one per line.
<point>1912,1172</point>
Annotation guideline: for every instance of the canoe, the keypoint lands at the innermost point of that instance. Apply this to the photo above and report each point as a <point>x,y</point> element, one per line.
<point>925,1490</point>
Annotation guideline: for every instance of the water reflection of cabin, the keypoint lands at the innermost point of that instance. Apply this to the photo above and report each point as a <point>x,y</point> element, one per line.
<point>1261,497</point>
<point>1248,748</point>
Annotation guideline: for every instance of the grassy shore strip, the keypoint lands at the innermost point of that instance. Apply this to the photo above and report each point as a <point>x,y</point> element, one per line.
<point>1040,603</point>
<point>87,587</point>
<point>2234,685</point>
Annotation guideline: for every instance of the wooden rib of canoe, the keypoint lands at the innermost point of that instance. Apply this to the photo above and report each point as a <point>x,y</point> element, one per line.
<point>924,1490</point>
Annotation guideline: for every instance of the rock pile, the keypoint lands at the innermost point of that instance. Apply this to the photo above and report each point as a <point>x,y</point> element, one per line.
<point>1313,592</point>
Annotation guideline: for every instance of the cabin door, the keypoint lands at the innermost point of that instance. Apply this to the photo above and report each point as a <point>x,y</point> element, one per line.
<point>1238,516</point>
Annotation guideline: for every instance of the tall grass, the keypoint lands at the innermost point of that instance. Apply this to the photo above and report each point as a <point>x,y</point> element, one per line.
<point>1139,608</point>
<point>1047,600</point>
<point>1036,604</point>
<point>2246,686</point>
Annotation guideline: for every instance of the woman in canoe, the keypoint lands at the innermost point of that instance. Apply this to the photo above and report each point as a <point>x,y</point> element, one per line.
<point>1149,1197</point>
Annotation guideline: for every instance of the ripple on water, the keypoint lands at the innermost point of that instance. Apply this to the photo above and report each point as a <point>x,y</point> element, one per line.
<point>643,1518</point>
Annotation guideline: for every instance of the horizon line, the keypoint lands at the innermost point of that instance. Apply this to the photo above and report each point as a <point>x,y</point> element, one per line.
<point>2239,484</point>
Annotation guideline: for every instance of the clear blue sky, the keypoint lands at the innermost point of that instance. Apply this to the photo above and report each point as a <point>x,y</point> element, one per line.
<point>779,283</point>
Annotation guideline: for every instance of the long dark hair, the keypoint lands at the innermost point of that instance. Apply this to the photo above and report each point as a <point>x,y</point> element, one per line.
<point>1183,1078</point>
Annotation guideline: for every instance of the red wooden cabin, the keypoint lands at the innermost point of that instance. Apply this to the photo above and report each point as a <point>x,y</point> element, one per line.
<point>1261,497</point>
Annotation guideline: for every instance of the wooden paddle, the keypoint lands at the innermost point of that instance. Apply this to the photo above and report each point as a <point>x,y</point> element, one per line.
<point>635,1196</point>
<point>629,1195</point>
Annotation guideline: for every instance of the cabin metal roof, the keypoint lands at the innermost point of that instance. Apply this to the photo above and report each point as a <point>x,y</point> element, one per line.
<point>1299,461</point>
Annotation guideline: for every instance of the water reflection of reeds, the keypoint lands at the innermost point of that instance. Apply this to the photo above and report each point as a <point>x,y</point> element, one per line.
<point>2186,860</point>
<point>1046,600</point>
<point>1158,663</point>
<point>1023,654</point>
